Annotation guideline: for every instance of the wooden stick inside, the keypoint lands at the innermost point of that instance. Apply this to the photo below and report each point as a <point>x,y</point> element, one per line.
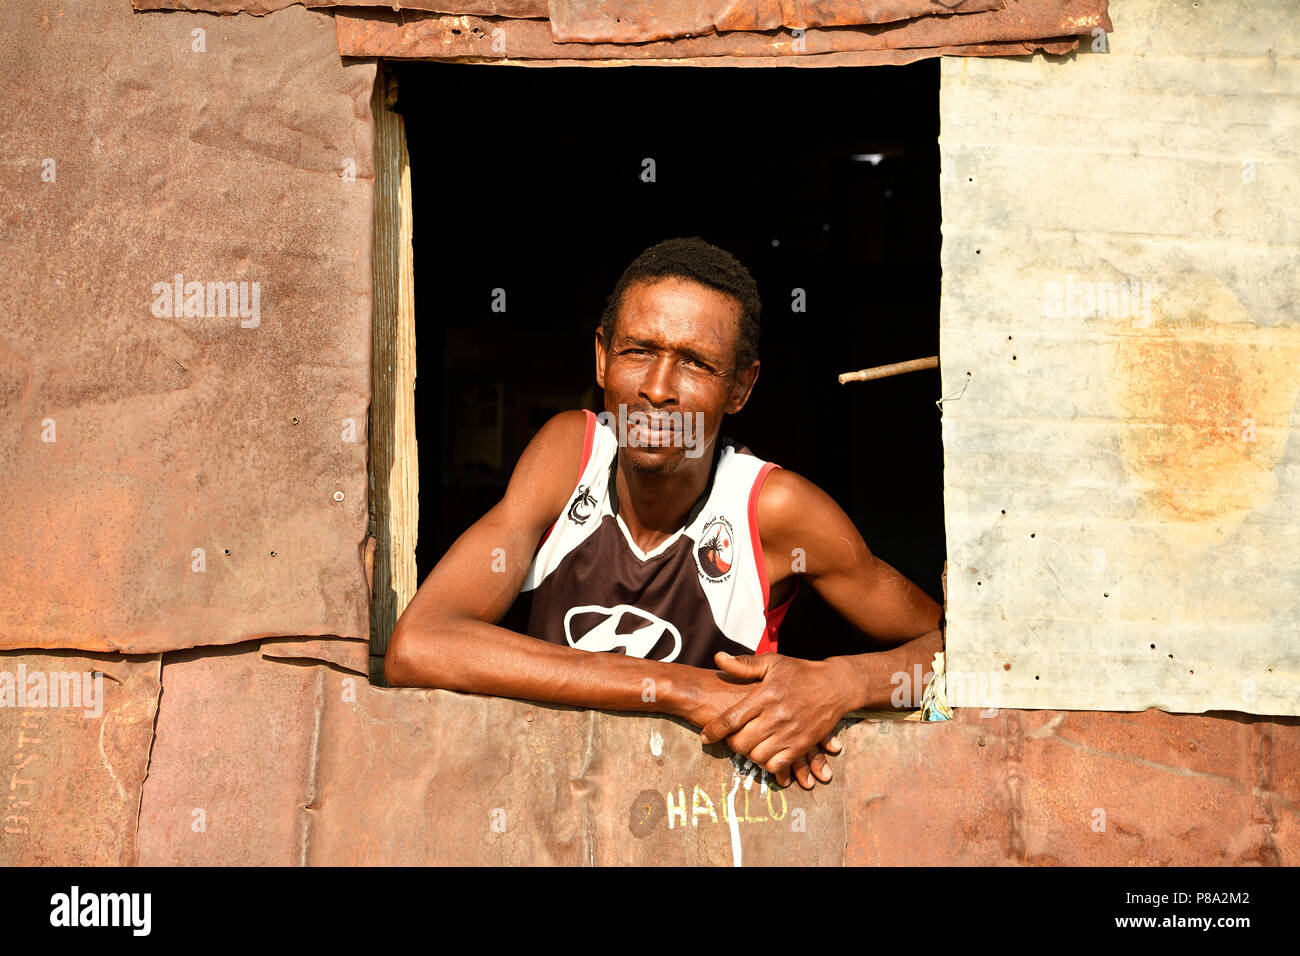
<point>884,371</point>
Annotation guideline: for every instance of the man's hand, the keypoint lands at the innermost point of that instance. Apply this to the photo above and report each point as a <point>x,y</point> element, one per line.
<point>787,716</point>
<point>707,694</point>
<point>814,766</point>
<point>714,693</point>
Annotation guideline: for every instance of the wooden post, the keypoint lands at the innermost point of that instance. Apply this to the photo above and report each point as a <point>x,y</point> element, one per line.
<point>394,475</point>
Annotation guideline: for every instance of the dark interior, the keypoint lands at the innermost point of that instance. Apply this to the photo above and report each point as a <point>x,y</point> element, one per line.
<point>530,181</point>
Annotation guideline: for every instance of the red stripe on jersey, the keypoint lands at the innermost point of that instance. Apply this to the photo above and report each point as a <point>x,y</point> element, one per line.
<point>772,618</point>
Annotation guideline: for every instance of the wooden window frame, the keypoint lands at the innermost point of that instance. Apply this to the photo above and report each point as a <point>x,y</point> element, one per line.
<point>393,459</point>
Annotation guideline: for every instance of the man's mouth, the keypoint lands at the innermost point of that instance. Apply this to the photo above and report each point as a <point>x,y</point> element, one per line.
<point>654,437</point>
<point>655,428</point>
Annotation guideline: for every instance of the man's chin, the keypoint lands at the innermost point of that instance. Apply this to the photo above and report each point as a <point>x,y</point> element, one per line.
<point>654,461</point>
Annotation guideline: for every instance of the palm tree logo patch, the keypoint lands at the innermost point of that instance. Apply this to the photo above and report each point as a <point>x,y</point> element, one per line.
<point>714,554</point>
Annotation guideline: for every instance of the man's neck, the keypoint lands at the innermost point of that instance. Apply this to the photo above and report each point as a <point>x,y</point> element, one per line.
<point>655,507</point>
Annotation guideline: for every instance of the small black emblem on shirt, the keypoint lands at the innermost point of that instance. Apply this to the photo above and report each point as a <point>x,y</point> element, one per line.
<point>583,505</point>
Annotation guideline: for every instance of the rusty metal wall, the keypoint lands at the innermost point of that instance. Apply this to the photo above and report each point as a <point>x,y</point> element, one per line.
<point>430,36</point>
<point>1120,350</point>
<point>635,21</point>
<point>72,775</point>
<point>811,60</point>
<point>629,21</point>
<point>818,32</point>
<point>200,478</point>
<point>258,762</point>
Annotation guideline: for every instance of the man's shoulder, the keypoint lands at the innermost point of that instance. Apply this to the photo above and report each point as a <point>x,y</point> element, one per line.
<point>780,496</point>
<point>794,512</point>
<point>564,431</point>
<point>790,504</point>
<point>550,466</point>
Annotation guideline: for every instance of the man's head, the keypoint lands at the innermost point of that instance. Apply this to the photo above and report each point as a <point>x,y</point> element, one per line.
<point>703,263</point>
<point>678,343</point>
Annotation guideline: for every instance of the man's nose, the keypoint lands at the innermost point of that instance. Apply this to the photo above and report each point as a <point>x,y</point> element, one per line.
<point>660,383</point>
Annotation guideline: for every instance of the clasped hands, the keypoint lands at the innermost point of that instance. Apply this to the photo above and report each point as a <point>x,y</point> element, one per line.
<point>783,718</point>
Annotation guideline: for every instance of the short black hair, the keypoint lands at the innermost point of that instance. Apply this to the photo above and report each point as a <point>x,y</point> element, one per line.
<point>700,262</point>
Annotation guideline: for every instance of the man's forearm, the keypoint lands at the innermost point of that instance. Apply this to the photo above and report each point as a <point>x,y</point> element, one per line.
<point>473,656</point>
<point>870,680</point>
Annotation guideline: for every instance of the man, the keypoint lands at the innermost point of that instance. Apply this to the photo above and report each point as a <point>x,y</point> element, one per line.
<point>666,542</point>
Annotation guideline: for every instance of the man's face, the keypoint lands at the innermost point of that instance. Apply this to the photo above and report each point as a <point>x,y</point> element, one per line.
<point>673,350</point>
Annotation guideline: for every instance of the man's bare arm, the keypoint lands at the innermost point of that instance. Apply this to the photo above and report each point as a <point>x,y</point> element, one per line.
<point>448,636</point>
<point>896,617</point>
<point>800,701</point>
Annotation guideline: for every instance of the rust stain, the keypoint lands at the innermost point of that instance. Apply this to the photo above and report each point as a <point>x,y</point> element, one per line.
<point>645,813</point>
<point>55,545</point>
<point>1206,395</point>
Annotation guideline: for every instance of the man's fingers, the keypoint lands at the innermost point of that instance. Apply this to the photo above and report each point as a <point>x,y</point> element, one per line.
<point>831,744</point>
<point>730,721</point>
<point>750,666</point>
<point>771,753</point>
<point>781,761</point>
<point>821,767</point>
<point>803,774</point>
<point>762,752</point>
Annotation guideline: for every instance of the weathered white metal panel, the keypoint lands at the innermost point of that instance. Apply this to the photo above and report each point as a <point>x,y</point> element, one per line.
<point>1120,353</point>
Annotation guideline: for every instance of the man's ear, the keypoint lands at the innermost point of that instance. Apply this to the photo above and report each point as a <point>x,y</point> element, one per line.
<point>600,359</point>
<point>741,389</point>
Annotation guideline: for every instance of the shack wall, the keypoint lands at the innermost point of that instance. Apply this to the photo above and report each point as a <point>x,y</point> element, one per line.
<point>186,366</point>
<point>208,744</point>
<point>1121,359</point>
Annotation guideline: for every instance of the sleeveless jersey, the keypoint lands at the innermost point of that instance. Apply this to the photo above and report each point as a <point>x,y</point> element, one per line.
<point>702,590</point>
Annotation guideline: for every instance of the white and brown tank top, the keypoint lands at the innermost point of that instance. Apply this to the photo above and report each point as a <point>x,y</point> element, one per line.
<point>703,590</point>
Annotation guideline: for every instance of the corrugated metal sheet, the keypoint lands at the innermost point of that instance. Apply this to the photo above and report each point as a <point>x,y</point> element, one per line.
<point>194,480</point>
<point>635,21</point>
<point>628,21</point>
<point>372,33</point>
<point>1120,344</point>
<point>1076,789</point>
<point>857,58</point>
<point>625,29</point>
<point>299,763</point>
<point>234,760</point>
<point>264,762</point>
<point>483,8</point>
<point>336,771</point>
<point>353,655</point>
<point>71,776</point>
<point>852,58</point>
